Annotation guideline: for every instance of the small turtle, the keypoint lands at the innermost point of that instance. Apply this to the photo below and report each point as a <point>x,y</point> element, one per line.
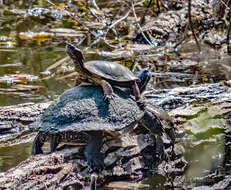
<point>104,73</point>
<point>82,112</point>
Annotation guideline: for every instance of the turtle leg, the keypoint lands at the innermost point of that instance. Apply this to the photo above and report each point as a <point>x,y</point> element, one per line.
<point>107,90</point>
<point>37,145</point>
<point>159,147</point>
<point>54,142</point>
<point>136,92</point>
<point>172,135</point>
<point>92,152</point>
<point>152,123</point>
<point>77,80</point>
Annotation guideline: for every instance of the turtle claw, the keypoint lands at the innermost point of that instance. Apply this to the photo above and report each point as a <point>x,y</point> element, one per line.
<point>108,97</point>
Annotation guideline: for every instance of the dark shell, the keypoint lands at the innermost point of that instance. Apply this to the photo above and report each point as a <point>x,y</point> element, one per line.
<point>82,108</point>
<point>110,70</point>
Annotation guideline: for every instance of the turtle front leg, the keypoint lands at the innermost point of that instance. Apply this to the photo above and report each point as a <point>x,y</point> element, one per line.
<point>107,90</point>
<point>37,145</point>
<point>77,80</point>
<point>136,92</point>
<point>92,152</point>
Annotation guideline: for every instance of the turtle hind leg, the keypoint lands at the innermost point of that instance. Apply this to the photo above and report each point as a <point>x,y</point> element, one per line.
<point>92,152</point>
<point>152,123</point>
<point>37,144</point>
<point>54,142</point>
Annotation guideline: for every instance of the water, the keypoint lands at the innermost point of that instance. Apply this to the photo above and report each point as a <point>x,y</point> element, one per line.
<point>13,155</point>
<point>33,61</point>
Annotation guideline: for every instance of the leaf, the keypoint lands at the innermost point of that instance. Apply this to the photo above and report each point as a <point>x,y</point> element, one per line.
<point>205,79</point>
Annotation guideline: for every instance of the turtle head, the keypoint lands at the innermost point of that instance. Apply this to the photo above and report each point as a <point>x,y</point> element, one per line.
<point>74,53</point>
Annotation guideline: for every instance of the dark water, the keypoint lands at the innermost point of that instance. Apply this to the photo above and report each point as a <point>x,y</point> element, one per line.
<point>33,61</point>
<point>30,57</point>
<point>13,155</point>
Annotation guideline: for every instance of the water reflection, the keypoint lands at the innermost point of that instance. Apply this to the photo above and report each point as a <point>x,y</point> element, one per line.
<point>204,145</point>
<point>33,61</point>
<point>13,155</point>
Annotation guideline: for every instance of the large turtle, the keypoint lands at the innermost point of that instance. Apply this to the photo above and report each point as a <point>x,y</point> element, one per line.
<point>81,113</point>
<point>104,73</point>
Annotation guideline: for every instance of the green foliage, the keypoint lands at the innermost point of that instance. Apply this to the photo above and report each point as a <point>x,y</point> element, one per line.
<point>153,4</point>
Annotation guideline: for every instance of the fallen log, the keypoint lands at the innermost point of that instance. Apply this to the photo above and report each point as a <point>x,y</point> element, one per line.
<point>131,157</point>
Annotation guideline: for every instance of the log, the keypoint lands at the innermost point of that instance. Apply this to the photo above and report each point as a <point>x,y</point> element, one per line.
<point>127,157</point>
<point>14,120</point>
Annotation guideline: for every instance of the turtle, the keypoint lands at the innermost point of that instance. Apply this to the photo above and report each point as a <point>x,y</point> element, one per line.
<point>104,73</point>
<point>80,113</point>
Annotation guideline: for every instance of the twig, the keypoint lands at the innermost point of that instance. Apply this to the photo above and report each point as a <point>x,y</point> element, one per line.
<point>117,22</point>
<point>191,27</point>
<point>136,20</point>
<point>225,4</point>
<point>228,40</point>
<point>112,25</point>
<point>70,75</point>
<point>56,64</point>
<point>95,4</point>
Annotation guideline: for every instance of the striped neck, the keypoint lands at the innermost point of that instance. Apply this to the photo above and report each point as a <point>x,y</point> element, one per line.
<point>79,65</point>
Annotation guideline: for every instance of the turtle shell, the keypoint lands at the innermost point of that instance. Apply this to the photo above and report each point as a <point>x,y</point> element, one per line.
<point>110,70</point>
<point>82,108</point>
